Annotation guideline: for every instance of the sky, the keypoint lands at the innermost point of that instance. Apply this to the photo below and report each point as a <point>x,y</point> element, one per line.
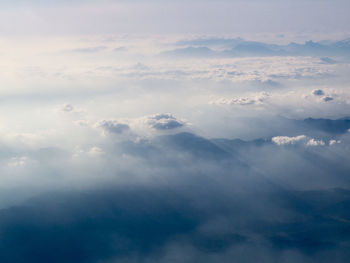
<point>173,17</point>
<point>174,131</point>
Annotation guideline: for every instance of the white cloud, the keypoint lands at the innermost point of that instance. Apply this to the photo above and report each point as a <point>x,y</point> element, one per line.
<point>301,139</point>
<point>285,140</point>
<point>313,142</point>
<point>333,142</point>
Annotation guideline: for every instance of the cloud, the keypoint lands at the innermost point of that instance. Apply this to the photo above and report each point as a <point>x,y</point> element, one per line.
<point>143,126</point>
<point>333,142</point>
<point>113,126</point>
<point>95,151</point>
<point>234,101</point>
<point>160,188</point>
<point>285,140</point>
<point>213,41</point>
<point>313,142</point>
<point>257,99</point>
<point>164,122</point>
<point>190,52</point>
<point>301,139</point>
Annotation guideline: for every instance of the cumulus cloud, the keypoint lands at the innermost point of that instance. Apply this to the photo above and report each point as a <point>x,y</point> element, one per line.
<point>313,142</point>
<point>285,140</point>
<point>142,126</point>
<point>113,126</point>
<point>301,139</point>
<point>164,122</point>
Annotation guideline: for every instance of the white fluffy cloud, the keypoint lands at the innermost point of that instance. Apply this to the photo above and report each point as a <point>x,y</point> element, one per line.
<point>301,139</point>
<point>313,142</point>
<point>285,140</point>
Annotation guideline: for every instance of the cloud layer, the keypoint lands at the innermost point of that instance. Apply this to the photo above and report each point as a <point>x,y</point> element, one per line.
<point>218,149</point>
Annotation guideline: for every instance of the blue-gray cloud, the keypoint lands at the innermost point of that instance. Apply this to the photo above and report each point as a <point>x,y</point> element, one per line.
<point>113,126</point>
<point>164,122</point>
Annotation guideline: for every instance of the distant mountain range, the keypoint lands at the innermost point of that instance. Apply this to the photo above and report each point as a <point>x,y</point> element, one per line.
<point>238,47</point>
<point>239,151</point>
